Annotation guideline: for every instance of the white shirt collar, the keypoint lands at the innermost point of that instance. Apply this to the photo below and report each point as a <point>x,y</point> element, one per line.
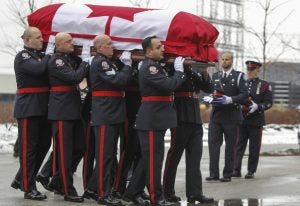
<point>227,72</point>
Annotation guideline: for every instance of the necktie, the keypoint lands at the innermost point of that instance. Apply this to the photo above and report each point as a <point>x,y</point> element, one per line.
<point>225,75</point>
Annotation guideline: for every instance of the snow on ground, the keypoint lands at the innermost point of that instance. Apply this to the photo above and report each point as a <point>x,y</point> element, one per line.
<point>272,134</point>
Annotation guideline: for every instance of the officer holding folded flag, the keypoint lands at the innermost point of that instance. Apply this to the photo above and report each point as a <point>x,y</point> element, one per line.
<point>260,100</point>
<point>229,90</point>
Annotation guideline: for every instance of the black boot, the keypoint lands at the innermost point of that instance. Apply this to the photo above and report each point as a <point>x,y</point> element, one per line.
<point>34,195</point>
<point>200,198</point>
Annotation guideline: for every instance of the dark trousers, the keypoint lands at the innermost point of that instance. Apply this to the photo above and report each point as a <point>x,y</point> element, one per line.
<point>215,141</point>
<point>106,137</point>
<point>254,135</point>
<point>69,146</point>
<point>152,147</point>
<point>34,134</point>
<point>130,152</point>
<point>188,137</point>
<point>89,155</point>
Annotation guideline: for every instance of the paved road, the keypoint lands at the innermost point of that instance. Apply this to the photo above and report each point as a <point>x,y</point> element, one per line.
<point>277,183</point>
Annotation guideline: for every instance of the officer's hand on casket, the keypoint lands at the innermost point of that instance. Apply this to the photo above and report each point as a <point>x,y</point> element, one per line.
<point>139,65</point>
<point>178,64</point>
<point>125,58</point>
<point>253,107</point>
<point>88,60</point>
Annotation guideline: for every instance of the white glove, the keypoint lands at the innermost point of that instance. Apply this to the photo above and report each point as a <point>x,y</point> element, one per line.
<point>207,99</point>
<point>139,65</point>
<point>253,107</point>
<point>88,60</point>
<point>178,64</point>
<point>125,58</point>
<point>228,100</point>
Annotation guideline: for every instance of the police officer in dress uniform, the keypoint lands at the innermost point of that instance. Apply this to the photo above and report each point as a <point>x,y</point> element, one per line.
<point>34,131</point>
<point>107,115</point>
<point>230,90</point>
<point>156,114</point>
<point>187,136</point>
<point>130,146</point>
<point>64,111</point>
<point>46,171</point>
<point>251,129</point>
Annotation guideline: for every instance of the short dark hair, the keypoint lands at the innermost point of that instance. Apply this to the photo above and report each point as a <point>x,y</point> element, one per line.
<point>147,42</point>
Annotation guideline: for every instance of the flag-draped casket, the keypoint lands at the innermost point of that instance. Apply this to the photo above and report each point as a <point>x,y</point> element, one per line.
<point>182,33</point>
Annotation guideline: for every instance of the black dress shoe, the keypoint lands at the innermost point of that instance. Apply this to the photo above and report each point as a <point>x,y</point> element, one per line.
<point>73,198</point>
<point>164,202</point>
<point>16,184</point>
<point>56,188</point>
<point>249,175</point>
<point>212,178</point>
<point>34,195</point>
<point>225,179</point>
<point>145,196</point>
<point>89,194</point>
<point>173,198</point>
<point>236,174</point>
<point>117,194</point>
<point>135,201</point>
<point>44,181</point>
<point>109,200</point>
<point>200,198</point>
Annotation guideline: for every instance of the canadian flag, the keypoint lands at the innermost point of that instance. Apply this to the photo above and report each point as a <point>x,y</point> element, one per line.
<point>182,33</point>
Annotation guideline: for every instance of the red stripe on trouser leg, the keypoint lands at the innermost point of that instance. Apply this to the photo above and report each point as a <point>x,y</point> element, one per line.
<point>121,162</point>
<point>86,154</point>
<point>260,139</point>
<point>24,155</point>
<point>169,157</point>
<point>151,166</point>
<point>62,155</point>
<point>54,157</point>
<point>119,172</point>
<point>101,153</point>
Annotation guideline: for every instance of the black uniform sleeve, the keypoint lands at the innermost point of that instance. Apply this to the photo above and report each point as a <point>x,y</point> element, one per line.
<point>109,75</point>
<point>65,72</point>
<point>267,98</point>
<point>242,95</point>
<point>30,65</point>
<point>201,80</point>
<point>162,82</point>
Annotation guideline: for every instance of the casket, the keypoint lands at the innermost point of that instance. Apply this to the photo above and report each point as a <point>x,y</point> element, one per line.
<point>181,33</point>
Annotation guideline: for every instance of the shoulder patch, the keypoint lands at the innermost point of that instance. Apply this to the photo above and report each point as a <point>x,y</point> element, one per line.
<point>153,70</point>
<point>25,56</point>
<point>59,62</point>
<point>105,65</point>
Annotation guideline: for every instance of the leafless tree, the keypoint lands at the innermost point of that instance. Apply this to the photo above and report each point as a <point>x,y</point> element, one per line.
<point>266,35</point>
<point>147,3</point>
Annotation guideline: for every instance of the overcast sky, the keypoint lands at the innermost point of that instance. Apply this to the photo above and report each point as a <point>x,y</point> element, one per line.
<point>253,18</point>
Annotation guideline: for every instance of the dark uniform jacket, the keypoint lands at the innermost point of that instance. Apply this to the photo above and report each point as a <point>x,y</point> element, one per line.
<point>31,72</point>
<point>261,93</point>
<point>63,72</point>
<point>234,86</point>
<point>154,81</point>
<point>105,76</point>
<point>187,108</point>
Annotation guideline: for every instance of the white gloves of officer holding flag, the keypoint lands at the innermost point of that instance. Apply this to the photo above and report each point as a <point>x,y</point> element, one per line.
<point>253,107</point>
<point>178,64</point>
<point>222,100</point>
<point>125,58</point>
